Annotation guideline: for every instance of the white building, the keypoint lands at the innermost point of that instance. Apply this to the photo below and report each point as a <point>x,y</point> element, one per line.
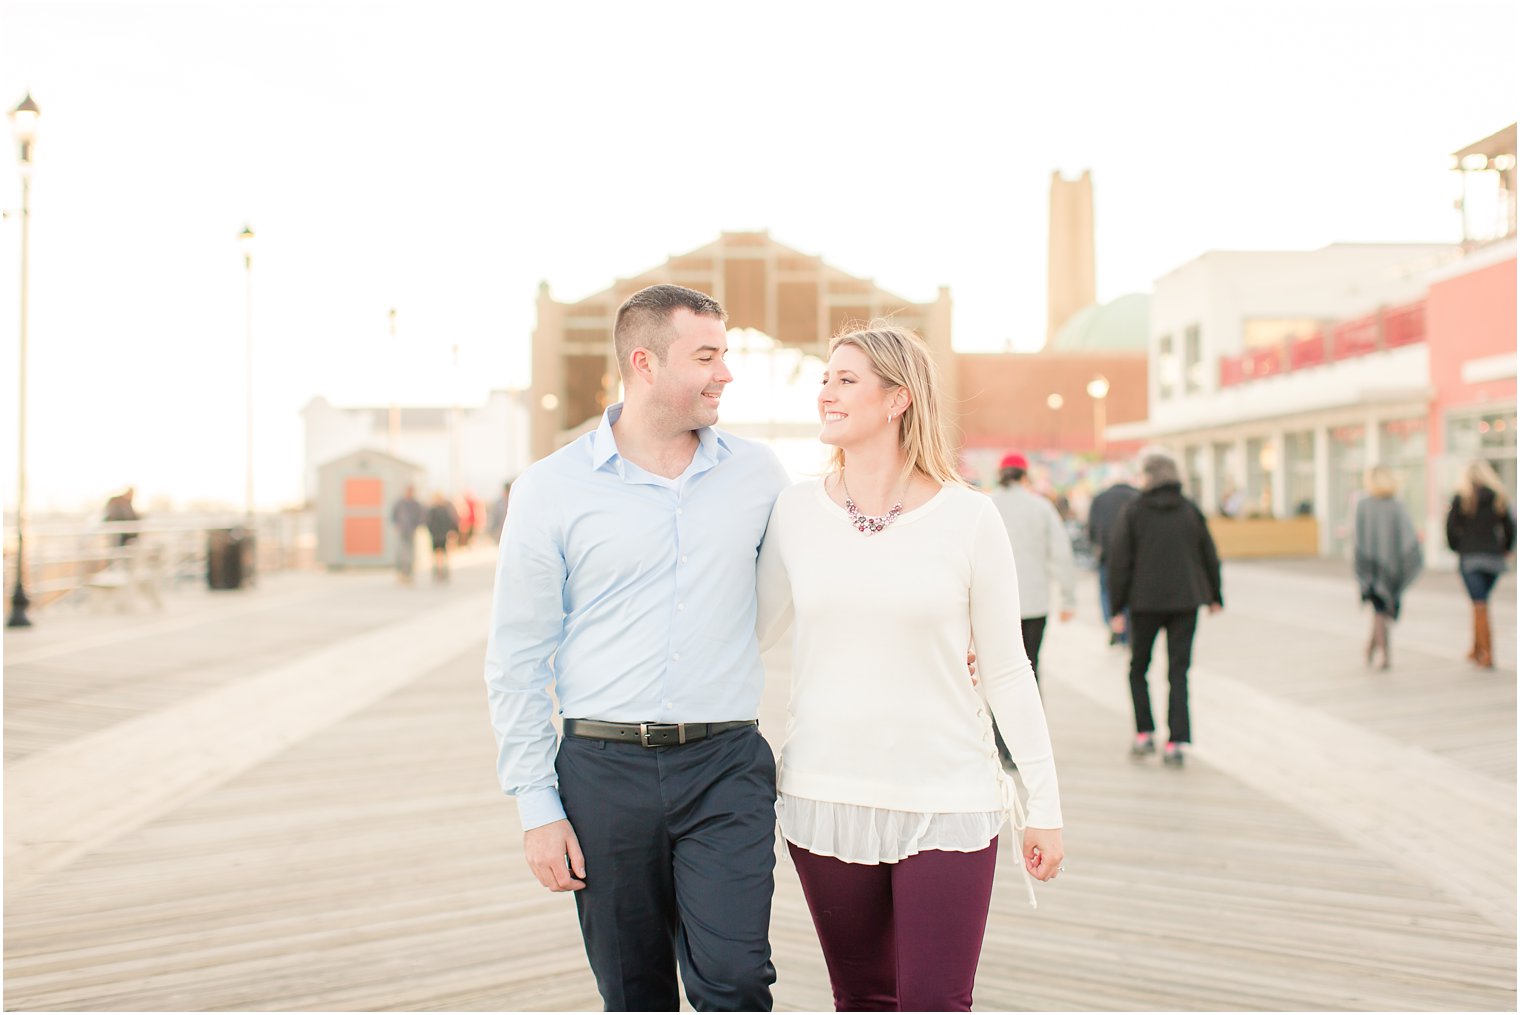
<point>1281,376</point>
<point>465,448</point>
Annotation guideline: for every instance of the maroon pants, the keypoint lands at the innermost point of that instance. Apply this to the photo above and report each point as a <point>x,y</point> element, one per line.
<point>902,936</point>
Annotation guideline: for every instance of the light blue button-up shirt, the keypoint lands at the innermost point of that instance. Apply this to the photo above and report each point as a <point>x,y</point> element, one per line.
<point>634,594</point>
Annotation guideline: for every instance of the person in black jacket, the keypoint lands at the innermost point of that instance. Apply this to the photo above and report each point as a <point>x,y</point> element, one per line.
<point>1101,516</point>
<point>442,523</point>
<point>1480,527</point>
<point>1162,566</point>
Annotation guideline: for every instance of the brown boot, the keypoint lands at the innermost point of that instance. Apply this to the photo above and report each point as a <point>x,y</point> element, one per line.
<point>1484,652</point>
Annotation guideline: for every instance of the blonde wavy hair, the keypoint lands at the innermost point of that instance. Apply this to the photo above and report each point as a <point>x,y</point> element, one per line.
<point>1480,474</point>
<point>902,359</point>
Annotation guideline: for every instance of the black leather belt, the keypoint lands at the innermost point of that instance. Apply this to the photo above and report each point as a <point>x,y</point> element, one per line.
<point>651,734</point>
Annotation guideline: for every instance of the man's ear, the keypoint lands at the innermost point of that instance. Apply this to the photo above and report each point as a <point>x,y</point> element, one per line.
<point>641,361</point>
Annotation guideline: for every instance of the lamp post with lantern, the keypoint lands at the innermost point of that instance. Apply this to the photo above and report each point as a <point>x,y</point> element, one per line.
<point>1097,390</point>
<point>245,240</point>
<point>1054,402</point>
<point>24,124</point>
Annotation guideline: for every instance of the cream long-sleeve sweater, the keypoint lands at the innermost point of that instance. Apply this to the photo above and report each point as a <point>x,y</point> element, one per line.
<point>883,712</point>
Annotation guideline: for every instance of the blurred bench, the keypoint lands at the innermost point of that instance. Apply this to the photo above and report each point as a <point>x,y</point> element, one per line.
<point>1238,538</point>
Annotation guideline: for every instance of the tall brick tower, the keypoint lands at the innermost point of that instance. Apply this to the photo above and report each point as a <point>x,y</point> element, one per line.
<point>1072,276</point>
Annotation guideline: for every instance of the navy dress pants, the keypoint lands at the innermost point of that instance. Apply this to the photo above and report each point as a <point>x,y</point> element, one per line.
<point>680,862</point>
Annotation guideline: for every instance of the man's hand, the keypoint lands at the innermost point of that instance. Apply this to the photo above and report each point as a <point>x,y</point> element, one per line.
<point>1117,624</point>
<point>971,665</point>
<point>1066,616</point>
<point>1215,608</point>
<point>548,848</point>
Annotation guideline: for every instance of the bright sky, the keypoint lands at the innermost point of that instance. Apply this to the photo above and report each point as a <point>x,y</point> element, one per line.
<point>442,158</point>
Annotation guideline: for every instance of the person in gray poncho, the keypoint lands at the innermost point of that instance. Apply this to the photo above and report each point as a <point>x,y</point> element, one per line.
<point>1388,556</point>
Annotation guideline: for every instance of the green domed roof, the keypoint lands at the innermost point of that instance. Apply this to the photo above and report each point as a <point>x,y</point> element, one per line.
<point>1120,324</point>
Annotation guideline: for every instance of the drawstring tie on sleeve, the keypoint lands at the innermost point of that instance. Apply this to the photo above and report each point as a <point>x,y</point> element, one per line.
<point>1017,821</point>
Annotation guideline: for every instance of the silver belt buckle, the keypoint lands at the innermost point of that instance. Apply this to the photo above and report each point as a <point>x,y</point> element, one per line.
<point>644,732</point>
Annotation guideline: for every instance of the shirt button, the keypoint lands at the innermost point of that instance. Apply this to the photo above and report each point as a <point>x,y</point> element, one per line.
<point>683,559</point>
<point>680,511</point>
<point>669,706</point>
<point>680,606</point>
<point>676,657</point>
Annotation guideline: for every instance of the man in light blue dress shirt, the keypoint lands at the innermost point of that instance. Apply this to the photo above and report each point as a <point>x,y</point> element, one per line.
<point>626,579</point>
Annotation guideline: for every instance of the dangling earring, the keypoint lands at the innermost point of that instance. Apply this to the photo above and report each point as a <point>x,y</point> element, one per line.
<point>889,417</point>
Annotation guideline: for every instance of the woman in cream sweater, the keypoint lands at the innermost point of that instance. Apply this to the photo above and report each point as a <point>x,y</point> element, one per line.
<point>891,793</point>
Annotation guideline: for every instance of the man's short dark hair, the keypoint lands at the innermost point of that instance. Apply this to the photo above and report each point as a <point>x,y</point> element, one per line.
<point>1011,475</point>
<point>643,321</point>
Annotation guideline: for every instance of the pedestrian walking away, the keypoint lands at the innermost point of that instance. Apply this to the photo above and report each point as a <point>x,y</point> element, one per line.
<point>1042,554</point>
<point>1387,558</point>
<point>406,517</point>
<point>891,794</point>
<point>1041,551</point>
<point>626,577</point>
<point>120,509</point>
<point>442,525</point>
<point>1480,529</point>
<point>1162,567</point>
<point>469,518</point>
<point>498,515</point>
<point>1101,516</point>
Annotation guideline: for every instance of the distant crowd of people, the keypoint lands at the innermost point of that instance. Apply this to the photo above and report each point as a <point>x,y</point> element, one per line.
<point>448,525</point>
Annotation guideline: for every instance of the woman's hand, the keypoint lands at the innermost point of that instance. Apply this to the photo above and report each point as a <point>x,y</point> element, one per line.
<point>1043,852</point>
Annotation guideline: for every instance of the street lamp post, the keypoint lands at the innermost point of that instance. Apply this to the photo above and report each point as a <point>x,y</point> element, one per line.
<point>24,123</point>
<point>393,421</point>
<point>245,239</point>
<point>454,471</point>
<point>1097,389</point>
<point>1054,401</point>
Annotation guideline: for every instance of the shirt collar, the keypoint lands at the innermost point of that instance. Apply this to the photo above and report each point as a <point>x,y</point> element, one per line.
<point>712,446</point>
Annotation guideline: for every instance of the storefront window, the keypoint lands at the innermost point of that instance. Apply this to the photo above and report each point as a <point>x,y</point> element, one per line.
<point>1167,369</point>
<point>1192,359</point>
<point>1261,473</point>
<point>1192,465</point>
<point>1490,436</point>
<point>1298,472</point>
<point>1403,447</point>
<point>1348,465</point>
<point>1229,498</point>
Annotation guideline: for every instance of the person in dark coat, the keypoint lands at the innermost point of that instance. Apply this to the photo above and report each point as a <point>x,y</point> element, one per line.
<point>1480,529</point>
<point>1162,566</point>
<point>1388,557</point>
<point>442,522</point>
<point>407,515</point>
<point>119,509</point>
<point>1101,516</point>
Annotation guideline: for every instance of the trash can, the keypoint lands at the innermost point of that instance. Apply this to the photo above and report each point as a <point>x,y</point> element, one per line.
<point>229,558</point>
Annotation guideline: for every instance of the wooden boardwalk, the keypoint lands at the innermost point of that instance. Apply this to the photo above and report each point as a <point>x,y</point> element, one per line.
<point>304,834</point>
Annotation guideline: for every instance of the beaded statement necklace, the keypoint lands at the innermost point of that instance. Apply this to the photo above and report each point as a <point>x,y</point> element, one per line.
<point>870,525</point>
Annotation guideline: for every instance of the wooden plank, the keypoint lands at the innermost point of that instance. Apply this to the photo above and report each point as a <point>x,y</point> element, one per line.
<point>375,866</point>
